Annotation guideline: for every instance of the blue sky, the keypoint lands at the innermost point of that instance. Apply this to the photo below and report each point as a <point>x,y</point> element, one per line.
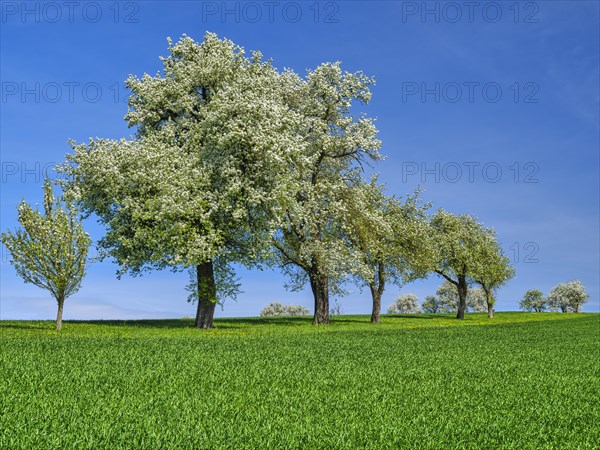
<point>493,110</point>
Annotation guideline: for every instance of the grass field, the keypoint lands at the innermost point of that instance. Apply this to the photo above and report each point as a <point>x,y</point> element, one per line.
<point>520,381</point>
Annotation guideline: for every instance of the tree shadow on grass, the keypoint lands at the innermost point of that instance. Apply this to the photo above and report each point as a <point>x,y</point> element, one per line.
<point>263,321</point>
<point>149,323</point>
<point>26,325</point>
<point>189,322</point>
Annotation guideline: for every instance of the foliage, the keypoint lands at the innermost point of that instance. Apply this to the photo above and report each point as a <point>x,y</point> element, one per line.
<point>50,250</point>
<point>405,304</point>
<point>278,309</point>
<point>567,297</point>
<point>533,300</point>
<point>432,304</point>
<point>126,388</point>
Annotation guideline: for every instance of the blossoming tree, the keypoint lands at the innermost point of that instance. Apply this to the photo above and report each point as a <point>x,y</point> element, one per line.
<point>50,250</point>
<point>197,186</point>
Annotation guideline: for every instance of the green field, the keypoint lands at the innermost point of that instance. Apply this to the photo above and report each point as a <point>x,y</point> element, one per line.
<point>521,380</point>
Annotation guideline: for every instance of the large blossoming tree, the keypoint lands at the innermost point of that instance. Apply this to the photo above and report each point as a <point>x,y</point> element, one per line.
<point>198,185</point>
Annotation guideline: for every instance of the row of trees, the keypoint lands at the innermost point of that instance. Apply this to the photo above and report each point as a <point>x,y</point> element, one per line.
<point>445,301</point>
<point>235,162</point>
<point>564,297</point>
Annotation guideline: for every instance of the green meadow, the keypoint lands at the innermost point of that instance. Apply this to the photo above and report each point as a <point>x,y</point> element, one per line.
<point>521,380</point>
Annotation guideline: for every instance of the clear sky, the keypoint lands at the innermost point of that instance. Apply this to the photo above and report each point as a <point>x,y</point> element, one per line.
<point>492,107</point>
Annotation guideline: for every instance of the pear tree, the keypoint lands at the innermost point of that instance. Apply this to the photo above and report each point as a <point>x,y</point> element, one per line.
<point>310,245</point>
<point>50,249</point>
<point>533,300</point>
<point>196,187</point>
<point>456,243</point>
<point>386,235</point>
<point>493,269</point>
<point>568,297</point>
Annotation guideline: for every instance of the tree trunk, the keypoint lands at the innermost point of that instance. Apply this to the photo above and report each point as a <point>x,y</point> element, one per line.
<point>462,297</point>
<point>59,314</point>
<point>207,295</point>
<point>376,312</point>
<point>490,303</point>
<point>377,292</point>
<point>320,289</point>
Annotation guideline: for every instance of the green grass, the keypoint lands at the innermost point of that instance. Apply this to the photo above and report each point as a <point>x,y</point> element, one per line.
<point>518,381</point>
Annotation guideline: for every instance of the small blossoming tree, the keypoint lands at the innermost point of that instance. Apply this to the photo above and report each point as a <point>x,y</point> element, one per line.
<point>50,249</point>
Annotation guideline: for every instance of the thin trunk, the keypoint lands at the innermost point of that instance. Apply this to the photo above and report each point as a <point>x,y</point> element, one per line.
<point>320,288</point>
<point>207,295</point>
<point>377,292</point>
<point>462,297</point>
<point>59,314</point>
<point>489,298</point>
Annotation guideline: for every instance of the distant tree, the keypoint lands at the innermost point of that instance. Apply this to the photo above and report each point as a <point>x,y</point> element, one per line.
<point>476,300</point>
<point>493,268</point>
<point>533,300</point>
<point>447,298</point>
<point>50,250</point>
<point>432,304</point>
<point>568,297</point>
<point>405,304</point>
<point>456,243</point>
<point>336,309</point>
<point>277,309</point>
